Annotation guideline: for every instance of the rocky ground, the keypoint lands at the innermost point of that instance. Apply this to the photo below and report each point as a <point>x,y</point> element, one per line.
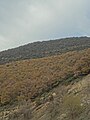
<point>61,103</point>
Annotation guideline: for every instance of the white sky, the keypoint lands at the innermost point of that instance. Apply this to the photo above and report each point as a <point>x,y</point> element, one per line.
<point>25,21</point>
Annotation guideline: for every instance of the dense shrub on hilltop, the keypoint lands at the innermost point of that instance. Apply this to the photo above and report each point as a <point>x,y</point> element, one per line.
<point>44,49</point>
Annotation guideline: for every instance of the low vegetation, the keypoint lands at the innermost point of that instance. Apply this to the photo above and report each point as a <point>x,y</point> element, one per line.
<point>28,79</point>
<point>55,86</point>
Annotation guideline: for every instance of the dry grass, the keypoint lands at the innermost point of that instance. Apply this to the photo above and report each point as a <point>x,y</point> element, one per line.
<point>29,78</point>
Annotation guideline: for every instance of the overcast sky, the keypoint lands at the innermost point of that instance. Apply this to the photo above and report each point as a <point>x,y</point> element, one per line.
<point>25,21</point>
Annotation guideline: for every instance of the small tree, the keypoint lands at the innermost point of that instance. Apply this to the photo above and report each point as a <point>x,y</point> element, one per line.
<point>73,107</point>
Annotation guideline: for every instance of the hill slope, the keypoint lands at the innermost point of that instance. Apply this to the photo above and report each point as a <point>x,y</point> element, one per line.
<point>51,88</point>
<point>30,78</point>
<point>44,49</point>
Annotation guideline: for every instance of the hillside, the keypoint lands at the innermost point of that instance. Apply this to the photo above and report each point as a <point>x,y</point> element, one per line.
<point>44,49</point>
<point>70,102</point>
<point>33,82</point>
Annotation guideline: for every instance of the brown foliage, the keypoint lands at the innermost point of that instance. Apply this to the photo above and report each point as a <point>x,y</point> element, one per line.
<point>29,78</point>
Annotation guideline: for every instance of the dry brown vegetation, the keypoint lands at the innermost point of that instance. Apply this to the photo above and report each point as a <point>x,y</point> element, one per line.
<point>27,79</point>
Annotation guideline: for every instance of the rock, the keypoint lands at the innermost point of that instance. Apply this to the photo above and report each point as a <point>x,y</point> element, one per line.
<point>62,116</point>
<point>53,94</point>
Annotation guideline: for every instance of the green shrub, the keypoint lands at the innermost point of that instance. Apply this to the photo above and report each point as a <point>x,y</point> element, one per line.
<point>72,105</point>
